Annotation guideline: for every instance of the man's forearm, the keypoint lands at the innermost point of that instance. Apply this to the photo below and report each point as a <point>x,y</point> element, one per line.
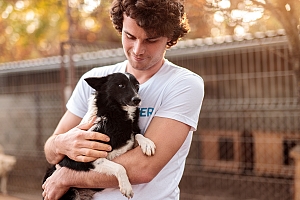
<point>52,156</point>
<point>63,178</point>
<point>90,179</point>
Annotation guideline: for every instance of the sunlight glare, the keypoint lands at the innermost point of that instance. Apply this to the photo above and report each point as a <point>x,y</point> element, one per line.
<point>237,14</point>
<point>218,17</point>
<point>89,23</point>
<point>32,26</point>
<point>20,5</point>
<point>90,5</point>
<point>239,31</point>
<point>29,15</point>
<point>7,11</point>
<point>252,16</point>
<point>224,4</point>
<point>287,7</point>
<point>4,15</point>
<point>262,1</point>
<point>247,16</point>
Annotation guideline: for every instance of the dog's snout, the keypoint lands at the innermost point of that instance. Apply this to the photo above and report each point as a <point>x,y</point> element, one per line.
<point>136,100</point>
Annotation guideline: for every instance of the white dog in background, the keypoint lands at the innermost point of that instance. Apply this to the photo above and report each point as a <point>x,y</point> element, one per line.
<point>6,165</point>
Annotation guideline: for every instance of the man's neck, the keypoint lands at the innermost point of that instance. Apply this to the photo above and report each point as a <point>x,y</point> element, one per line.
<point>144,75</point>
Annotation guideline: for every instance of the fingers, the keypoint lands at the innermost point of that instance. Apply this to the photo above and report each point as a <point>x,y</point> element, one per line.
<point>53,188</point>
<point>86,146</point>
<point>44,194</point>
<point>89,135</point>
<point>88,155</point>
<point>85,154</point>
<point>88,125</point>
<point>83,146</point>
<point>92,141</point>
<point>92,135</point>
<point>84,158</point>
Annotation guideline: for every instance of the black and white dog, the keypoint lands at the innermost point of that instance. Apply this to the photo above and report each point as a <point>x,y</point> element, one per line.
<point>115,103</point>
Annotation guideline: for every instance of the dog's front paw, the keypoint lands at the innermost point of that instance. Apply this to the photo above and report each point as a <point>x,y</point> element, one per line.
<point>147,146</point>
<point>126,190</point>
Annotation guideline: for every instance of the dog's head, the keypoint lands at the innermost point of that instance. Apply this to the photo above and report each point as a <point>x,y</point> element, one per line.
<point>119,87</point>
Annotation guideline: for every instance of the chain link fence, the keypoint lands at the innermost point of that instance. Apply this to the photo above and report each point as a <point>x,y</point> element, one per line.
<point>248,124</point>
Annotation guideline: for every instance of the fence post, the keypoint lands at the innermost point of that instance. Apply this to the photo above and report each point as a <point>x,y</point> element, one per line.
<point>295,154</point>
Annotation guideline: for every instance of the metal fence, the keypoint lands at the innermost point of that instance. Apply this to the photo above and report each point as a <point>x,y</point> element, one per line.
<point>248,124</point>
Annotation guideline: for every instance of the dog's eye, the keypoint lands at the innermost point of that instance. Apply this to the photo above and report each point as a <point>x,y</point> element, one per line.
<point>121,86</point>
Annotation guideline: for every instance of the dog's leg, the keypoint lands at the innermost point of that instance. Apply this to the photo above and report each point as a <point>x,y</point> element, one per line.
<point>102,165</point>
<point>4,184</point>
<point>147,146</point>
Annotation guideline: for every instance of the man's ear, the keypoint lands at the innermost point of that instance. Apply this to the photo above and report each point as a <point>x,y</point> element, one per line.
<point>167,46</point>
<point>96,82</point>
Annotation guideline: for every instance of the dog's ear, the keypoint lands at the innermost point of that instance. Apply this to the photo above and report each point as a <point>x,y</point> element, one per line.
<point>96,82</point>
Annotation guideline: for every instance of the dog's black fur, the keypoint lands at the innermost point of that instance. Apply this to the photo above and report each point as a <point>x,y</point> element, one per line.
<point>114,95</point>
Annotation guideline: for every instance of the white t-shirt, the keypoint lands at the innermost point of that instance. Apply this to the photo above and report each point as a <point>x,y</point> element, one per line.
<point>173,92</point>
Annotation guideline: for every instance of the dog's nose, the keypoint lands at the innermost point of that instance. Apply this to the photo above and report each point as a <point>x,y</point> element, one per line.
<point>136,100</point>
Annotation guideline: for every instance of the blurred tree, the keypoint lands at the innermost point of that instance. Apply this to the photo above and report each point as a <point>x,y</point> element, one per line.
<point>91,21</point>
<point>29,30</point>
<point>242,15</point>
<point>199,19</point>
<point>33,28</point>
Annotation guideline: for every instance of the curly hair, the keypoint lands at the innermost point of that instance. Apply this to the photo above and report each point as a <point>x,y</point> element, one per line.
<point>165,18</point>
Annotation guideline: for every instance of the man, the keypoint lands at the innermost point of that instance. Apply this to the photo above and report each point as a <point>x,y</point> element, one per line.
<point>171,102</point>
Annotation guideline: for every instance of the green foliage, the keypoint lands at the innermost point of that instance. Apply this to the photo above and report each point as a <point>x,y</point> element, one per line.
<point>34,28</point>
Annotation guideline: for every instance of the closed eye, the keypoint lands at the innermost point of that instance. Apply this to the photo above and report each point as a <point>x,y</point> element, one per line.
<point>150,40</point>
<point>129,36</point>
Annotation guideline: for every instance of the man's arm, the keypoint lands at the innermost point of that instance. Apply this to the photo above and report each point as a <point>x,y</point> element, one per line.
<point>73,140</point>
<point>168,136</point>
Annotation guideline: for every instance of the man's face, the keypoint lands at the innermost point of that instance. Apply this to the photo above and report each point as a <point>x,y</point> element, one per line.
<point>143,52</point>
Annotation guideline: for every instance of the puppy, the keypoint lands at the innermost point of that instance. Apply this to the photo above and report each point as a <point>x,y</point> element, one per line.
<point>115,104</point>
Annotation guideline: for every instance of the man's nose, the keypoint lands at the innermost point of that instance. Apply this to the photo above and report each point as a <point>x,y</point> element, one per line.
<point>138,48</point>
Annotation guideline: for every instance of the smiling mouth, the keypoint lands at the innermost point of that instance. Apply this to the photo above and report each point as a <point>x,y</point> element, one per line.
<point>138,58</point>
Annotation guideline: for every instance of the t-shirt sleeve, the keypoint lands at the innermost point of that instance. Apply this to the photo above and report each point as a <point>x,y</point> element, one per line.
<point>182,100</point>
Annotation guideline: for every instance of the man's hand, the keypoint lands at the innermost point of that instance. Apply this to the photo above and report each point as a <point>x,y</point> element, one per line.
<point>53,187</point>
<point>82,145</point>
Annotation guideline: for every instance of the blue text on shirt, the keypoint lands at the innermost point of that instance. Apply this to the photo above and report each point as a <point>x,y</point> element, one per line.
<point>146,112</point>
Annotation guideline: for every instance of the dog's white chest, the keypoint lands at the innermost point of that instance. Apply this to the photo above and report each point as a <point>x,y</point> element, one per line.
<point>117,152</point>
<point>130,111</point>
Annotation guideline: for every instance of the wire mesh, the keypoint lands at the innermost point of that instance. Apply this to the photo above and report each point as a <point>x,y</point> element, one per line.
<point>248,124</point>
